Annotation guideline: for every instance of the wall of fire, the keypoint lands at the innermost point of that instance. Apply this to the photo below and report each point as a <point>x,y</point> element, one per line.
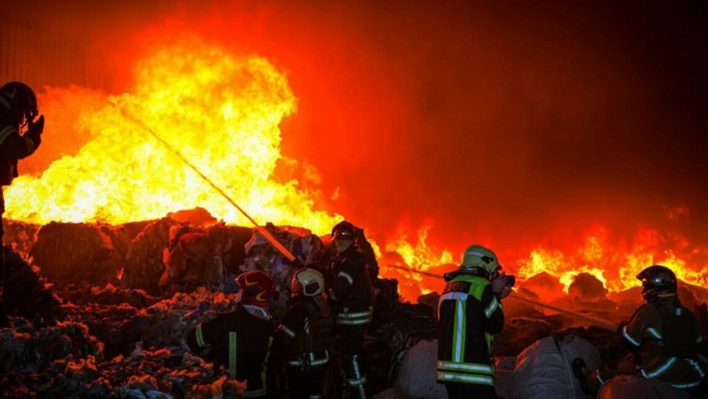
<point>44,59</point>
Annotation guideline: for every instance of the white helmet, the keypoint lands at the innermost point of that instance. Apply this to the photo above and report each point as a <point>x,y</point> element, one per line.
<point>306,281</point>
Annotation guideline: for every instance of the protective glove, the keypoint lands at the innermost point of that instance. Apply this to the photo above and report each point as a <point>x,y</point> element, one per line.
<point>499,283</point>
<point>36,127</point>
<point>34,131</point>
<point>505,291</point>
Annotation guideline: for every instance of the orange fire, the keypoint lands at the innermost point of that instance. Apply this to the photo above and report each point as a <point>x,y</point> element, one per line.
<point>419,256</point>
<point>613,261</point>
<point>617,262</point>
<point>219,110</point>
<point>222,111</point>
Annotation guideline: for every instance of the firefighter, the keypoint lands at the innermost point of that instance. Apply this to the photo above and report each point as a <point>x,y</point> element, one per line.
<point>240,341</point>
<point>18,110</point>
<point>352,296</point>
<point>663,337</point>
<point>304,337</point>
<point>470,313</point>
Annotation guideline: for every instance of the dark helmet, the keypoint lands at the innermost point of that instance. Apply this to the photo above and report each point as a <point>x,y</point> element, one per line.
<point>657,281</point>
<point>343,230</point>
<point>19,99</point>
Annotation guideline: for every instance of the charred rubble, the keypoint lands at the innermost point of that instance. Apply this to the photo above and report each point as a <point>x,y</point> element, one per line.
<point>96,313</point>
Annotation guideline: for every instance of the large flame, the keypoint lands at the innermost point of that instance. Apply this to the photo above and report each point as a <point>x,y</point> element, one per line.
<point>419,255</point>
<point>614,261</point>
<point>219,110</point>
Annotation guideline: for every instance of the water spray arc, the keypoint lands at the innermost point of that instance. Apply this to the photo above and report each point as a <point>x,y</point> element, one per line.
<point>266,234</point>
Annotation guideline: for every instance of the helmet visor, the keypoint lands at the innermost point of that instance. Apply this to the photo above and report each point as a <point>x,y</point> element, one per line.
<point>343,235</point>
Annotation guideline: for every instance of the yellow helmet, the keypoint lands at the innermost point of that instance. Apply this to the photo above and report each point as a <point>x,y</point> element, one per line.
<point>477,256</point>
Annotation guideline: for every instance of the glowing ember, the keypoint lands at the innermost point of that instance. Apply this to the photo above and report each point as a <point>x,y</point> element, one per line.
<point>219,110</point>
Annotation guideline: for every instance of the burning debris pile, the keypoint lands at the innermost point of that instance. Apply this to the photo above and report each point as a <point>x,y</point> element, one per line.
<point>110,320</point>
<point>102,310</point>
<point>66,361</point>
<point>118,289</point>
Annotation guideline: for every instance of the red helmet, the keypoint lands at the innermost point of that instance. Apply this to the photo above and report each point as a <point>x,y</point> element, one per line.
<point>256,287</point>
<point>19,99</point>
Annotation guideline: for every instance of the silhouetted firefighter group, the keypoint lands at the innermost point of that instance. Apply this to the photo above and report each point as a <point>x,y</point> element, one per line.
<point>249,344</point>
<point>331,309</point>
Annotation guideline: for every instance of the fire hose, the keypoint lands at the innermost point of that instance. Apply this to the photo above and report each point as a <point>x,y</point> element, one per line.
<point>606,325</point>
<point>597,322</point>
<point>268,236</point>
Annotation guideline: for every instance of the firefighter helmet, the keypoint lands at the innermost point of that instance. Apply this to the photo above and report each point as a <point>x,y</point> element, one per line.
<point>657,282</point>
<point>480,258</point>
<point>20,100</point>
<point>307,281</point>
<point>343,230</point>
<point>256,288</point>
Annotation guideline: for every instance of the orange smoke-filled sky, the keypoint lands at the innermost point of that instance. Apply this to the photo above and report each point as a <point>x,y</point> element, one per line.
<point>502,121</point>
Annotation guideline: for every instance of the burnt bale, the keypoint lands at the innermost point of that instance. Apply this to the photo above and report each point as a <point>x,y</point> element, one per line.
<point>20,236</point>
<point>587,287</point>
<point>163,260</point>
<point>77,251</point>
<point>143,262</point>
<point>228,245</point>
<point>519,333</point>
<point>26,293</point>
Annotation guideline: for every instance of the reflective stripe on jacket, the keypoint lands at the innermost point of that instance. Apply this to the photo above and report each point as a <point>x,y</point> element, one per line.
<point>238,341</point>
<point>665,336</point>
<point>351,291</point>
<point>470,313</point>
<point>346,318</point>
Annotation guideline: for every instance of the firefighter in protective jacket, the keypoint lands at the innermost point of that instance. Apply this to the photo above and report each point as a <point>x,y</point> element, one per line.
<point>470,314</point>
<point>663,337</point>
<point>304,337</point>
<point>241,340</point>
<point>352,297</point>
<point>18,109</point>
